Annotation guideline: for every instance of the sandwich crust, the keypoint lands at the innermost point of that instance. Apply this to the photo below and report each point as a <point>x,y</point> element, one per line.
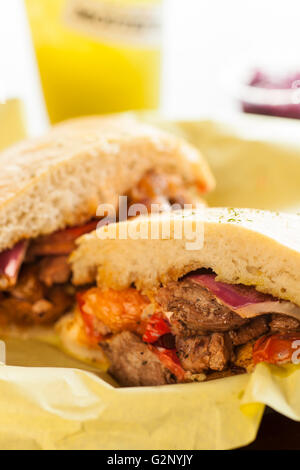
<point>250,247</point>
<point>58,180</point>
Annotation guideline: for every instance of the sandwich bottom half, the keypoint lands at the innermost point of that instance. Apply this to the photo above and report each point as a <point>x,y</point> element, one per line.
<point>35,275</point>
<point>190,330</point>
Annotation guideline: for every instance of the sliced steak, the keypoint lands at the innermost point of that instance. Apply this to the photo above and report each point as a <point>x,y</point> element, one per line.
<point>15,310</point>
<point>195,309</point>
<point>252,330</point>
<point>61,301</point>
<point>54,270</point>
<point>39,312</point>
<point>200,353</point>
<point>29,287</point>
<point>283,323</point>
<point>193,353</point>
<point>132,362</point>
<point>220,349</point>
<point>244,356</point>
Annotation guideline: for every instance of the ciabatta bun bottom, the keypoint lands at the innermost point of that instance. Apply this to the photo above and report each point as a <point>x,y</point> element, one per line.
<point>68,330</point>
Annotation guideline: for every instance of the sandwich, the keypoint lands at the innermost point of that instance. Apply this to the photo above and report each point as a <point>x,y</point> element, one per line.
<point>50,192</point>
<point>208,304</point>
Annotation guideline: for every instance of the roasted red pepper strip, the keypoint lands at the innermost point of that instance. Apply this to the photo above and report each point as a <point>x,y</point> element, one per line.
<point>156,327</point>
<point>280,348</point>
<point>61,242</point>
<point>170,360</point>
<point>90,321</point>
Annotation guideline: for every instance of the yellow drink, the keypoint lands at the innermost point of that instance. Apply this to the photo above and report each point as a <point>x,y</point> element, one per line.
<point>97,56</point>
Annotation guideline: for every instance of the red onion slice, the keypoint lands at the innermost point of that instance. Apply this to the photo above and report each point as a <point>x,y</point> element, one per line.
<point>10,263</point>
<point>245,300</point>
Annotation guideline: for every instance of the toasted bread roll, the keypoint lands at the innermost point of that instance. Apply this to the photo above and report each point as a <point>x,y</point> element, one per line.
<point>241,246</point>
<point>59,179</point>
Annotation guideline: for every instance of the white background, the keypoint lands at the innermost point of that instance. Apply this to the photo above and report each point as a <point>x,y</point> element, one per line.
<point>205,42</point>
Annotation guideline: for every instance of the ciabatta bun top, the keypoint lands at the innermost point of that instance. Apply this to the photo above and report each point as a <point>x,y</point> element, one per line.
<point>57,180</point>
<point>244,246</point>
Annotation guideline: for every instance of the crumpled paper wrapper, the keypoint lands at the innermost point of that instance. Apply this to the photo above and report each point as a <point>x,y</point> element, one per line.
<point>50,401</point>
<point>64,407</point>
<point>251,169</point>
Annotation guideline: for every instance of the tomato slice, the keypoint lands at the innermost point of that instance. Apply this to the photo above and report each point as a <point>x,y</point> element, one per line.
<point>156,327</point>
<point>278,349</point>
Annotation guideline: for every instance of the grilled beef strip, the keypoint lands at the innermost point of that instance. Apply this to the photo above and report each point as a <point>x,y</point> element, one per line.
<point>201,353</point>
<point>54,270</point>
<point>195,309</point>
<point>43,311</point>
<point>283,323</point>
<point>251,330</point>
<point>28,287</point>
<point>133,363</point>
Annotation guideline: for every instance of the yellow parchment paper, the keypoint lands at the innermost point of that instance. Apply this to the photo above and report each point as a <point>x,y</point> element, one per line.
<point>50,401</point>
<point>255,160</point>
<point>70,408</point>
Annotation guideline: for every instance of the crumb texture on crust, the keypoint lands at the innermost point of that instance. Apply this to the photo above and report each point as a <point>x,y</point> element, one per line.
<point>244,246</point>
<point>57,180</point>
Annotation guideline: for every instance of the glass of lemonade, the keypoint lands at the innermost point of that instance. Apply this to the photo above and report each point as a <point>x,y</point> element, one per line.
<point>97,56</point>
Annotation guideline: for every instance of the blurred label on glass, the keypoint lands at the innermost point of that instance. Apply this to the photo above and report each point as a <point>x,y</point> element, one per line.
<point>97,56</point>
<point>134,24</point>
